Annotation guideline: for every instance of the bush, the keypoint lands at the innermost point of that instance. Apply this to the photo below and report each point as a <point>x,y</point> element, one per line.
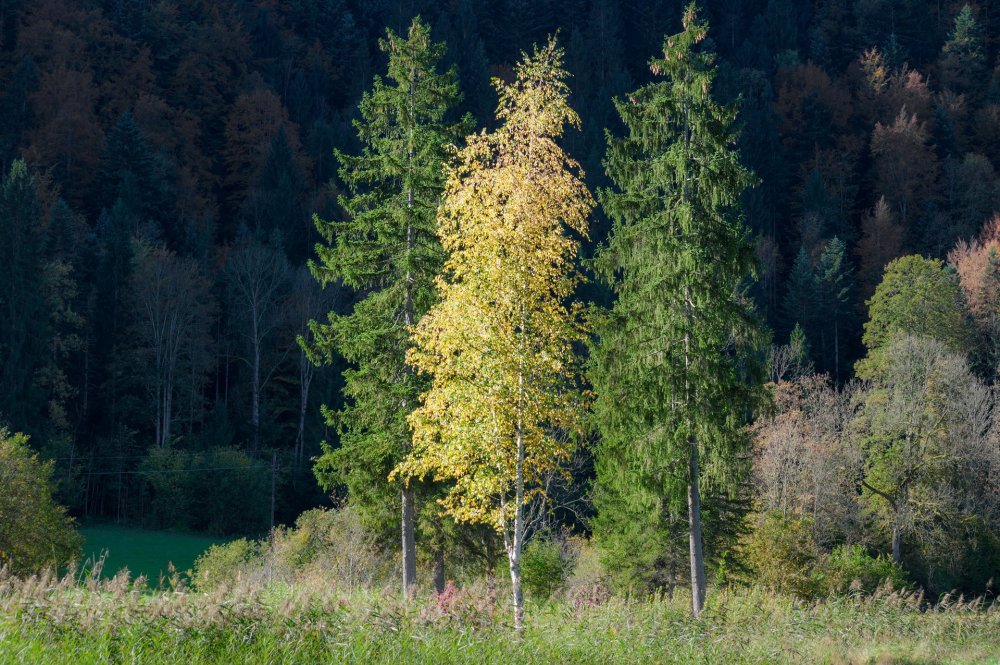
<point>35,532</point>
<point>224,563</point>
<point>851,568</point>
<point>331,545</point>
<point>784,556</point>
<point>587,584</point>
<point>166,488</point>
<point>543,568</point>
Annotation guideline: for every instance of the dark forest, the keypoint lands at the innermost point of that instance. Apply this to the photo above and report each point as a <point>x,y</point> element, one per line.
<point>168,168</point>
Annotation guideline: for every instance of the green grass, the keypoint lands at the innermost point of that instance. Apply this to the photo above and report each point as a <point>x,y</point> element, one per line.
<point>48,621</point>
<point>142,551</point>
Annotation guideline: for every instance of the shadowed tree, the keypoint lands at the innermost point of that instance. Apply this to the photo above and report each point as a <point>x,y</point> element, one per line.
<point>174,308</point>
<point>258,276</point>
<point>24,318</point>
<point>881,242</point>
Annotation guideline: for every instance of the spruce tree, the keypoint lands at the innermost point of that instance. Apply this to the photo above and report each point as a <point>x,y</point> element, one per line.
<point>127,154</point>
<point>24,319</point>
<point>963,56</point>
<point>799,306</point>
<point>387,249</point>
<point>277,199</point>
<point>670,368</point>
<point>835,278</point>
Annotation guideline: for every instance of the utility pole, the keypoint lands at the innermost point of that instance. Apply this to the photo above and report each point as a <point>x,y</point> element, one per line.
<point>274,475</point>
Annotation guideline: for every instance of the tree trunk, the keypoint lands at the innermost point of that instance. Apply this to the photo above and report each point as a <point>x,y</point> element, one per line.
<point>516,545</point>
<point>439,580</point>
<point>694,536</point>
<point>305,379</point>
<point>409,545</point>
<point>274,476</point>
<point>255,411</point>
<point>672,575</point>
<point>168,407</point>
<point>897,541</point>
<point>515,584</point>
<point>836,349</point>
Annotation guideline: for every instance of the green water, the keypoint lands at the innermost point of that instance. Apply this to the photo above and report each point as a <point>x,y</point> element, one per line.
<point>143,552</point>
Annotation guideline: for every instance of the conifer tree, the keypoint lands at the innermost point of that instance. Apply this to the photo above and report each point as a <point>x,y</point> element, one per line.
<point>386,247</point>
<point>836,287</point>
<point>504,402</point>
<point>128,155</point>
<point>963,56</point>
<point>24,318</point>
<point>669,369</point>
<point>277,199</point>
<point>799,306</point>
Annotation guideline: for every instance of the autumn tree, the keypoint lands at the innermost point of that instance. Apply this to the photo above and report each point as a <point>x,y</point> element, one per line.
<point>66,136</point>
<point>387,248</point>
<point>670,367</point>
<point>504,404</point>
<point>803,458</point>
<point>905,165</point>
<point>977,263</point>
<point>881,242</point>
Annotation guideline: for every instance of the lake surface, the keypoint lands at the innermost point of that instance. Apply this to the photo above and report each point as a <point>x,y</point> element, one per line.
<point>142,551</point>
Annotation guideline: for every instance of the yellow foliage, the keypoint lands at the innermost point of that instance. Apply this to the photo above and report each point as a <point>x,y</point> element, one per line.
<point>505,401</point>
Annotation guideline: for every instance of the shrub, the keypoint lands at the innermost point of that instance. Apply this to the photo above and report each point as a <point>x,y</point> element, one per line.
<point>587,584</point>
<point>220,564</point>
<point>851,568</point>
<point>783,554</point>
<point>543,568</point>
<point>166,488</point>
<point>331,545</point>
<point>470,608</point>
<point>35,532</point>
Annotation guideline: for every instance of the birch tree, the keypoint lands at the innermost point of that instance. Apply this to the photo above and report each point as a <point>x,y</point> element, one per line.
<point>504,401</point>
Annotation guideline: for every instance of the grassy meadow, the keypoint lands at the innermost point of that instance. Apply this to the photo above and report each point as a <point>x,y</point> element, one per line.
<point>48,620</point>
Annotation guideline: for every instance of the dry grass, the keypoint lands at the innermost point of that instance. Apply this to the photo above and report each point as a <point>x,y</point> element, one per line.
<point>47,619</point>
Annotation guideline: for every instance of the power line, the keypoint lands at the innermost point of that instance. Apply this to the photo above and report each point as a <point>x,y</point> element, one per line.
<point>156,471</point>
